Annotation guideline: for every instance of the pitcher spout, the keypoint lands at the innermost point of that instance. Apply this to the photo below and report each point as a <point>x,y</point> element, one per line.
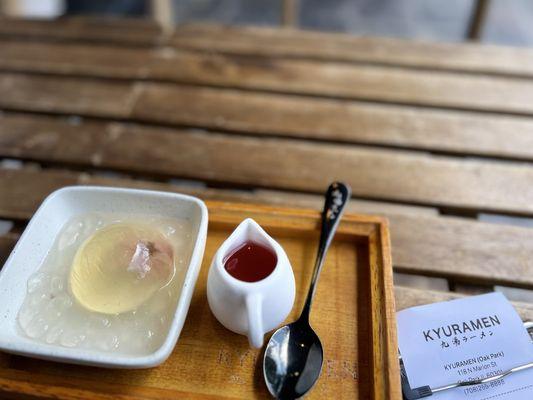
<point>248,231</point>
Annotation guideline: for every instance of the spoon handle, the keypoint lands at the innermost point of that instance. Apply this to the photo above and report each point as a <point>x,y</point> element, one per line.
<point>336,198</point>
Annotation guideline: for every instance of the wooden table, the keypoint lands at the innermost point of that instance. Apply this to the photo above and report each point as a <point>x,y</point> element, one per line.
<point>429,135</point>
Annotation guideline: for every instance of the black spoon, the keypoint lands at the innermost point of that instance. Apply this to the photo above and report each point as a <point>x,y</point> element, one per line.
<point>294,356</point>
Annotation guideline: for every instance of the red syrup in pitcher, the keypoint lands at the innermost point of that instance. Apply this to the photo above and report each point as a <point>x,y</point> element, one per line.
<point>251,262</point>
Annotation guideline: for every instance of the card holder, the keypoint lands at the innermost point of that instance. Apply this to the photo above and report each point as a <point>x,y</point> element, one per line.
<point>427,391</point>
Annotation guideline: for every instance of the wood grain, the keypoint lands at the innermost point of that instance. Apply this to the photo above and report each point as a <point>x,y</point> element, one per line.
<point>384,339</point>
<point>286,43</point>
<point>273,114</point>
<point>337,80</point>
<point>389,175</point>
<point>282,43</point>
<point>16,384</point>
<point>462,250</point>
<point>134,31</point>
<point>96,98</point>
<point>421,240</point>
<point>210,360</point>
<point>106,61</point>
<point>29,187</point>
<point>332,120</point>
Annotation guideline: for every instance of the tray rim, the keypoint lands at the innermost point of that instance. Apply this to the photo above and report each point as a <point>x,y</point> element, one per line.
<point>373,230</point>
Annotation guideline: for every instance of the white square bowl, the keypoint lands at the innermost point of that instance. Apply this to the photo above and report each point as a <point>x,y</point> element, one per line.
<point>38,238</point>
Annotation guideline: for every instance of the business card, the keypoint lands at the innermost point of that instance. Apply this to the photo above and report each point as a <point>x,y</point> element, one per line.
<point>462,340</point>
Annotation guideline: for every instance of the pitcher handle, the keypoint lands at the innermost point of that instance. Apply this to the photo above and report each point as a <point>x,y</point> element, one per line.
<point>255,320</point>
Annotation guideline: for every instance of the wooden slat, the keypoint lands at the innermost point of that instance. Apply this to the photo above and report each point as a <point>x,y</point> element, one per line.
<point>283,199</point>
<point>349,48</point>
<point>352,122</point>
<point>264,114</point>
<point>338,80</point>
<point>388,175</point>
<point>281,43</point>
<point>106,99</point>
<point>421,241</point>
<point>132,31</point>
<point>354,82</point>
<point>81,59</point>
<point>407,297</point>
<point>469,251</point>
<point>29,187</point>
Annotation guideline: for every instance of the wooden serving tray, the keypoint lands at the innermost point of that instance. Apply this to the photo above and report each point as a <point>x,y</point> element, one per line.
<point>353,313</point>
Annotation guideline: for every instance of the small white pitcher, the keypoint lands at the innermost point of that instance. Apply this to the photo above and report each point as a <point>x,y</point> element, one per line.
<point>250,308</point>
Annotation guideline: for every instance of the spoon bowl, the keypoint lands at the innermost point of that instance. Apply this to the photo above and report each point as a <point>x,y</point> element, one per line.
<point>300,345</point>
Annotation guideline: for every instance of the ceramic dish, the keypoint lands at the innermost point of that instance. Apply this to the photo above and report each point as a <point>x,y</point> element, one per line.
<point>38,238</point>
